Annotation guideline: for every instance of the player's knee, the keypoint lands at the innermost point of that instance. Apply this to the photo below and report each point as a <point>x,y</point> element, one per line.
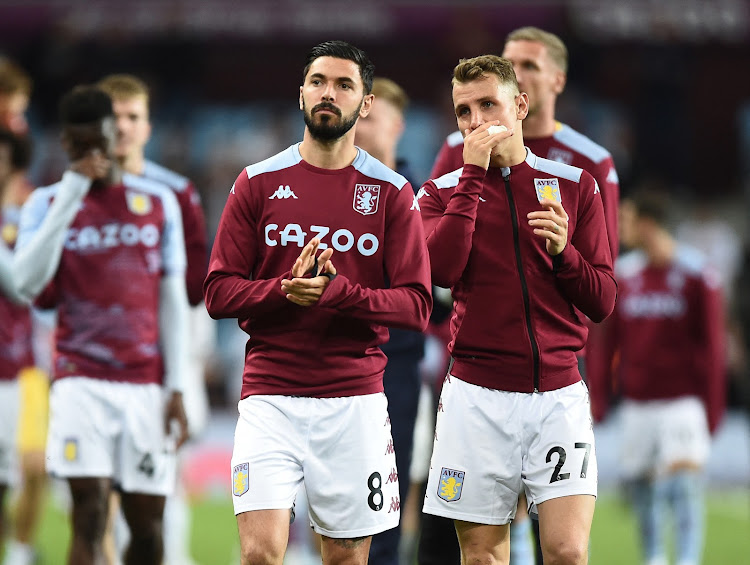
<point>569,552</point>
<point>477,556</point>
<point>261,554</point>
<point>90,518</point>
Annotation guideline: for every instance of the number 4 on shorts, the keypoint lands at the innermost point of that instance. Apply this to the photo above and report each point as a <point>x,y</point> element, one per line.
<point>561,456</point>
<point>146,466</point>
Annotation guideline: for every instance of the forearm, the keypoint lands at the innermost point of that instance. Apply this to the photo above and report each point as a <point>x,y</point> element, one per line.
<point>405,307</point>
<point>173,330</point>
<point>449,239</point>
<point>232,296</point>
<point>37,258</point>
<point>7,284</point>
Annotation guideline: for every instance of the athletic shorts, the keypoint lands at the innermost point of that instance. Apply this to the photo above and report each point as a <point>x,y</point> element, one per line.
<point>34,411</point>
<point>340,448</point>
<point>111,429</point>
<point>491,445</point>
<point>8,426</point>
<point>658,433</point>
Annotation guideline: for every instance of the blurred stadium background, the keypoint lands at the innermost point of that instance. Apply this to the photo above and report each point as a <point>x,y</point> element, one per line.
<point>664,85</point>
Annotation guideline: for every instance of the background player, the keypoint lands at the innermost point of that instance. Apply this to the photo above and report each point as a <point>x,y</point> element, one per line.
<point>667,332</point>
<point>15,331</point>
<point>106,249</point>
<point>378,133</point>
<point>313,408</point>
<point>130,101</point>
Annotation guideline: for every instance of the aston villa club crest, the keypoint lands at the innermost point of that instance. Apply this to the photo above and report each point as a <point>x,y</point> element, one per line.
<point>451,484</point>
<point>547,188</point>
<point>70,449</point>
<point>366,198</point>
<point>241,479</point>
<point>139,204</point>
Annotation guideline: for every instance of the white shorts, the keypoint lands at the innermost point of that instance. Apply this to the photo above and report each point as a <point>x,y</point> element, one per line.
<point>111,429</point>
<point>341,448</point>
<point>490,444</point>
<point>9,402</point>
<point>659,433</point>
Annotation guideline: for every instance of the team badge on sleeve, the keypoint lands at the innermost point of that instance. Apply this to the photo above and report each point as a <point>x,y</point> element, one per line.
<point>241,479</point>
<point>138,203</point>
<point>366,198</point>
<point>451,484</point>
<point>547,188</point>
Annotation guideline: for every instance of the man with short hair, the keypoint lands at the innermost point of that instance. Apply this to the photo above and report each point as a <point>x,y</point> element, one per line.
<point>15,331</point>
<point>667,331</point>
<point>378,133</point>
<point>130,101</point>
<point>106,250</point>
<point>313,409</point>
<point>528,247</point>
<point>540,61</point>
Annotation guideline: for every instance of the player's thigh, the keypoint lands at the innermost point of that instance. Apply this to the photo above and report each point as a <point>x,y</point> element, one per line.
<point>147,457</point>
<point>84,427</point>
<point>264,535</point>
<point>90,497</point>
<point>144,513</point>
<point>352,551</point>
<point>8,424</point>
<point>351,477</point>
<point>270,443</point>
<point>475,471</point>
<point>483,543</point>
<point>561,459</point>
<point>565,524</point>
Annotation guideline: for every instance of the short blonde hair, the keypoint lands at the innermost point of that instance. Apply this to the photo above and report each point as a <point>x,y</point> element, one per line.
<point>475,68</point>
<point>388,90</point>
<point>13,79</point>
<point>123,86</point>
<point>555,47</point>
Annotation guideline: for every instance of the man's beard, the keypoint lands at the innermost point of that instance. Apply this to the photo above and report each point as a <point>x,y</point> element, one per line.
<point>325,130</point>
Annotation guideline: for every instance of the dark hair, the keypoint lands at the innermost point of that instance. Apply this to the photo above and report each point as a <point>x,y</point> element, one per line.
<point>343,50</point>
<point>20,149</point>
<point>652,204</point>
<point>85,105</point>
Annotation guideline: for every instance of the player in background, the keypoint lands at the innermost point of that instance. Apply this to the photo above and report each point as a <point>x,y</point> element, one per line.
<point>33,380</point>
<point>319,249</point>
<point>130,101</point>
<point>667,332</point>
<point>528,246</point>
<point>106,249</point>
<point>15,331</point>
<point>378,133</point>
<point>15,94</point>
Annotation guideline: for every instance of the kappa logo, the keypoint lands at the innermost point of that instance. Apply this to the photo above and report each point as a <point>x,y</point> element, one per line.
<point>241,479</point>
<point>366,198</point>
<point>451,484</point>
<point>560,155</point>
<point>283,192</point>
<point>547,188</point>
<point>420,193</point>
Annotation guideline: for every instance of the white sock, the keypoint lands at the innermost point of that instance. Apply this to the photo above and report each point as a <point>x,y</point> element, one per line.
<point>17,553</point>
